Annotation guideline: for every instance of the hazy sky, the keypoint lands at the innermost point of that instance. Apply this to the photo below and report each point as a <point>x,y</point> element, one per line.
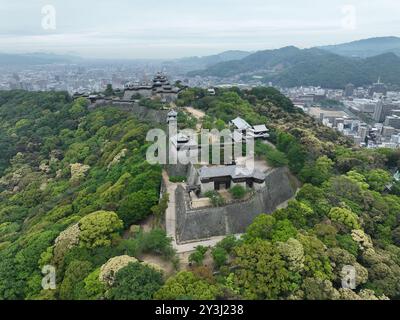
<point>177,28</point>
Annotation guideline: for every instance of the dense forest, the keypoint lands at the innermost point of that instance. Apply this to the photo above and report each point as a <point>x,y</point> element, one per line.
<point>74,185</point>
<point>71,182</point>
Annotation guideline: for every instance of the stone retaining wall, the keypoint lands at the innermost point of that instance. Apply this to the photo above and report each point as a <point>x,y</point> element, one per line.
<point>195,224</point>
<point>142,113</point>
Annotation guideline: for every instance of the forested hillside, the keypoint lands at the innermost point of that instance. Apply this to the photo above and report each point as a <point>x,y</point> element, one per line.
<point>343,215</point>
<point>61,165</point>
<point>74,185</point>
<point>367,47</point>
<point>290,66</point>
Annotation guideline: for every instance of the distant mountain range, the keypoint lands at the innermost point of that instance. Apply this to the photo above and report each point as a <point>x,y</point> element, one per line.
<point>182,65</point>
<point>367,47</point>
<point>359,62</point>
<point>291,66</point>
<point>29,59</point>
<point>199,63</point>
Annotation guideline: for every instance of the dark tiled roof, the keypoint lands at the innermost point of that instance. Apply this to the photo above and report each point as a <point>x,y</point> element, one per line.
<point>235,172</point>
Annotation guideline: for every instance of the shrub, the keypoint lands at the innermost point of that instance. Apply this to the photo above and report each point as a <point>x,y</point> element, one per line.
<point>198,256</point>
<point>238,192</point>
<point>156,241</point>
<point>177,179</point>
<point>273,156</point>
<point>137,206</point>
<point>228,243</point>
<point>220,256</point>
<point>215,197</point>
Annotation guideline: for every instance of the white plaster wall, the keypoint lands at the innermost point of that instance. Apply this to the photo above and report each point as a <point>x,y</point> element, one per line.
<point>205,187</point>
<point>258,186</point>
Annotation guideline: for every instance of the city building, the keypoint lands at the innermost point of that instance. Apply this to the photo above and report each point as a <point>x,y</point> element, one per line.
<point>385,108</point>
<point>327,114</point>
<point>310,99</point>
<point>388,131</point>
<point>349,90</point>
<point>362,105</point>
<point>379,88</point>
<point>393,121</point>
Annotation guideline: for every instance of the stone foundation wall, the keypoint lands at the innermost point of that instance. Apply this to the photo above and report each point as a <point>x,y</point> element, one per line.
<point>142,113</point>
<point>177,170</point>
<point>195,224</point>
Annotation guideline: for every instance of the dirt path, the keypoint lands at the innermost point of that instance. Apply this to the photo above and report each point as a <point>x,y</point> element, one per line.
<point>147,225</point>
<point>166,266</point>
<point>198,114</point>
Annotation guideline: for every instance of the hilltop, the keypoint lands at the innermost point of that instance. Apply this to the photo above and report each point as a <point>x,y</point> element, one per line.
<point>366,47</point>
<point>76,192</point>
<point>291,66</point>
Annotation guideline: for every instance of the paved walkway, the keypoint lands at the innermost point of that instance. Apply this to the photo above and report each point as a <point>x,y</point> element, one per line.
<point>170,218</point>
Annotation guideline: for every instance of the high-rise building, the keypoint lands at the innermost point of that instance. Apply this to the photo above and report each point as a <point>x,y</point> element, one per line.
<point>378,87</point>
<point>388,131</point>
<point>378,111</point>
<point>393,121</point>
<point>349,90</point>
<point>363,132</point>
<point>385,108</point>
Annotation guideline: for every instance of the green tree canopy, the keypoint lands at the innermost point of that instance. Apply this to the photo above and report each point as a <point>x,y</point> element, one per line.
<point>136,282</point>
<point>186,285</point>
<point>99,228</point>
<point>261,272</point>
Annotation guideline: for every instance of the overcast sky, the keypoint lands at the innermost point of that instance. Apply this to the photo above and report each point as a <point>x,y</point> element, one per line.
<point>178,28</point>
